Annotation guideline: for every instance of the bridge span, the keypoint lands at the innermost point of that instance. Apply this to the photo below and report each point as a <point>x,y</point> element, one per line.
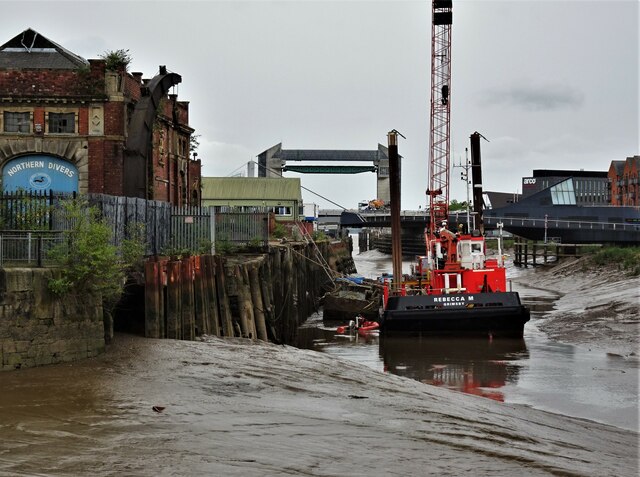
<point>618,230</point>
<point>354,218</point>
<point>409,219</point>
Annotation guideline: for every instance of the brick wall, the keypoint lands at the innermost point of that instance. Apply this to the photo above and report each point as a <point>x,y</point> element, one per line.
<point>115,95</point>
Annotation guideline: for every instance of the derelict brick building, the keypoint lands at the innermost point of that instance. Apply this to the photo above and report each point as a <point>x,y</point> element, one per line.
<point>68,124</point>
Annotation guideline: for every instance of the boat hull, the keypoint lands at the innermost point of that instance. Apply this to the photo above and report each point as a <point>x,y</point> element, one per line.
<point>499,314</point>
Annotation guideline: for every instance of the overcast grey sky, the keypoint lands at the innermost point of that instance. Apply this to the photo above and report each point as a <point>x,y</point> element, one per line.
<point>550,84</point>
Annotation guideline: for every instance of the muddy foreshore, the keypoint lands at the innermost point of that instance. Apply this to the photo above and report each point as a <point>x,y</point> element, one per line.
<point>236,407</point>
<point>595,307</point>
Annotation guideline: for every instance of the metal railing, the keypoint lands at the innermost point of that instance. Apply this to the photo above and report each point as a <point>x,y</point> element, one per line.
<point>240,228</point>
<point>31,223</point>
<point>27,248</point>
<point>563,224</point>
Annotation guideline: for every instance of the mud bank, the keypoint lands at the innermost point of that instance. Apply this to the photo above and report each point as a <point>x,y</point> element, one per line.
<point>598,308</point>
<point>236,407</point>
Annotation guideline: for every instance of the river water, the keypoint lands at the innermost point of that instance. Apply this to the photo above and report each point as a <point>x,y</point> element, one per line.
<point>534,371</point>
<point>234,407</point>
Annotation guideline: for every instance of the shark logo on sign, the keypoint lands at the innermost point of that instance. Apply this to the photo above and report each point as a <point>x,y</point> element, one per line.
<point>39,172</point>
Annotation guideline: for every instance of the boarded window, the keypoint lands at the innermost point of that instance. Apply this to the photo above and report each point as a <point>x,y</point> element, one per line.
<point>62,123</point>
<point>17,122</point>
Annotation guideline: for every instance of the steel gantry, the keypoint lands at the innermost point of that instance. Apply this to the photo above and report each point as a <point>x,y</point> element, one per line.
<point>439,144</point>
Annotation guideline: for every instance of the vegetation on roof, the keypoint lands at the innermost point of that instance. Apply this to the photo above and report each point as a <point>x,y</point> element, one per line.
<point>117,59</point>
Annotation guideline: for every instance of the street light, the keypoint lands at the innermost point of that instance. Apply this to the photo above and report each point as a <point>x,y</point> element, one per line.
<point>464,175</point>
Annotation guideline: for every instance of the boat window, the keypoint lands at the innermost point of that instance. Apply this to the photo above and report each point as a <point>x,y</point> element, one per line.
<point>476,248</point>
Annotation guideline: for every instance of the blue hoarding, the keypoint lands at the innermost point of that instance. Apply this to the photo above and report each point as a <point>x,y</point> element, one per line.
<point>39,172</point>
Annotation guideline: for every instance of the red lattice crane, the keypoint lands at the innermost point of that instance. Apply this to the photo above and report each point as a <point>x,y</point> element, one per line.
<point>440,144</point>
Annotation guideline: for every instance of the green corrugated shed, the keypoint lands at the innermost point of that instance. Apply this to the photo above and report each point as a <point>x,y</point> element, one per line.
<point>253,191</point>
<point>250,188</point>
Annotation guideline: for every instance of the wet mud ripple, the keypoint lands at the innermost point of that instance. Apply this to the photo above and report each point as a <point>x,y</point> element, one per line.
<point>238,409</point>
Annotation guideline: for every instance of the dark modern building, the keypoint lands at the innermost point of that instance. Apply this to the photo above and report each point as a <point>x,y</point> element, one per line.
<point>555,213</point>
<point>590,187</point>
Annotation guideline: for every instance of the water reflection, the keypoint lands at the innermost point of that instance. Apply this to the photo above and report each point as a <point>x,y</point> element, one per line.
<point>543,374</point>
<point>474,366</point>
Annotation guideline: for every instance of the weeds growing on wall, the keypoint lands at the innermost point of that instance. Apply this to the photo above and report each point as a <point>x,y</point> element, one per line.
<point>88,261</point>
<point>117,59</point>
<point>178,252</point>
<point>279,231</point>
<point>133,248</point>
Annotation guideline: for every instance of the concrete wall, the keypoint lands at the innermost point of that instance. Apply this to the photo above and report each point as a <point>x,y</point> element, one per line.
<point>38,328</point>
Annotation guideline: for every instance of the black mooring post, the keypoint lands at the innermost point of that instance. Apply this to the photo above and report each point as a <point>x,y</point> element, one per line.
<point>394,191</point>
<point>476,180</point>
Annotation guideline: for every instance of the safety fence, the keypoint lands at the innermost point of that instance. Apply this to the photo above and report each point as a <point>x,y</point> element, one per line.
<point>28,248</point>
<point>30,224</point>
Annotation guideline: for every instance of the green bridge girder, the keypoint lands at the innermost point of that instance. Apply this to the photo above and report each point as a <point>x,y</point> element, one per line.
<point>330,169</point>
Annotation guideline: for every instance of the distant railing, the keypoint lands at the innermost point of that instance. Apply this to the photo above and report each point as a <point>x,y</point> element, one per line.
<point>563,224</point>
<point>190,228</point>
<point>27,248</point>
<point>240,228</point>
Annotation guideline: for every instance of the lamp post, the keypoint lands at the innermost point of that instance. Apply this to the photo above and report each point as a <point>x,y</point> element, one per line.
<point>464,175</point>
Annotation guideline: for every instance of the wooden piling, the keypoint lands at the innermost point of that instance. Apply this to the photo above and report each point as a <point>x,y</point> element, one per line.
<point>211,301</point>
<point>266,281</point>
<point>186,291</point>
<point>275,293</point>
<point>162,272</point>
<point>248,297</point>
<point>152,300</point>
<point>201,299</point>
<point>258,305</point>
<point>277,289</point>
<point>223,298</point>
<point>174,325</point>
<point>289,327</point>
<point>245,305</point>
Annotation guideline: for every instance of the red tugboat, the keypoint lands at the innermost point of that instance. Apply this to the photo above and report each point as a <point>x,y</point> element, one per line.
<point>466,296</point>
<point>455,289</point>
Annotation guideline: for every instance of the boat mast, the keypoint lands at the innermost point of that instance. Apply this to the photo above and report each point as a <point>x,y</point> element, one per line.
<point>439,147</point>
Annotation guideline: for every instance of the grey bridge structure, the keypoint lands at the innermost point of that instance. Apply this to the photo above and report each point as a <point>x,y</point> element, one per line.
<point>275,160</point>
<point>623,229</point>
<point>411,220</point>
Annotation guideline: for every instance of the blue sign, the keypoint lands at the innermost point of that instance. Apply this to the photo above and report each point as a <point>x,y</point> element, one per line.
<point>39,173</point>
